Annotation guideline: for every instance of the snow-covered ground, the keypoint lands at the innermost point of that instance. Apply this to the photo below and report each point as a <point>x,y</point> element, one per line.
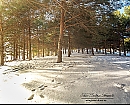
<point>81,78</point>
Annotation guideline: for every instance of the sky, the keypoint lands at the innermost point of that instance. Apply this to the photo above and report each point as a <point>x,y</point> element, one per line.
<point>121,10</point>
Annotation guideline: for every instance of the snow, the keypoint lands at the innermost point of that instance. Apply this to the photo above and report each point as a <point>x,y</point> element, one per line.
<point>79,79</point>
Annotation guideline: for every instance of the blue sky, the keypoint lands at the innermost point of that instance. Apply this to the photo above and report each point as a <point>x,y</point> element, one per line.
<point>121,10</point>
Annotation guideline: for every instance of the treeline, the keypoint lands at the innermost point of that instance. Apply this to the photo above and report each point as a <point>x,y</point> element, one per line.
<point>30,28</point>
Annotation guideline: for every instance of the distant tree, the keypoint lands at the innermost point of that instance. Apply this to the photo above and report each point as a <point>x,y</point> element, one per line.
<point>2,53</point>
<point>1,41</point>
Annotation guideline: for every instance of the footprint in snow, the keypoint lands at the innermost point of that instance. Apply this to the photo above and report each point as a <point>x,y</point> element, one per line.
<point>40,86</point>
<point>120,86</point>
<point>31,97</point>
<point>41,96</point>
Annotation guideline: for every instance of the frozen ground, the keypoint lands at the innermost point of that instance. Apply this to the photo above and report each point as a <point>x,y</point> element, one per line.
<point>81,78</point>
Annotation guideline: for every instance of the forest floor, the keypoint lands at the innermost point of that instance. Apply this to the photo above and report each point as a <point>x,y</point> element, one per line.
<point>79,79</point>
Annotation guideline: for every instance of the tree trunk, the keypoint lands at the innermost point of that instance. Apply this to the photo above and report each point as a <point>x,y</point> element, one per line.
<point>24,45</point>
<point>87,50</point>
<point>113,51</point>
<point>29,41</point>
<point>43,48</point>
<point>27,46</point>
<point>105,51</point>
<point>119,48</point>
<point>69,49</point>
<point>92,51</point>
<point>105,47</point>
<point>14,50</point>
<point>63,51</point>
<point>78,50</point>
<point>43,43</point>
<point>110,49</point>
<point>61,34</point>
<point>38,54</point>
<point>1,43</point>
<point>19,52</point>
<point>124,47</point>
